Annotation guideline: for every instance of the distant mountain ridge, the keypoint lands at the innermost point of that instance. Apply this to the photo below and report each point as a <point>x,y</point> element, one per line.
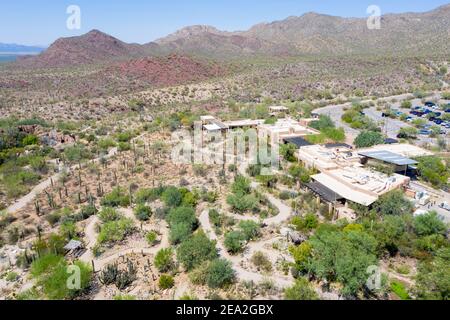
<point>309,34</point>
<point>12,48</point>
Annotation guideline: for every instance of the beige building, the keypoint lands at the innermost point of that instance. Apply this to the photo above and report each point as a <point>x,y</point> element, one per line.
<point>342,172</point>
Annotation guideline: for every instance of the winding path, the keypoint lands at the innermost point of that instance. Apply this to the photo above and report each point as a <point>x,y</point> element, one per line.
<point>241,273</point>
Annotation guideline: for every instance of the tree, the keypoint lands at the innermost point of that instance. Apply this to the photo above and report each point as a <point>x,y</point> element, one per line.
<point>164,260</point>
<point>250,229</point>
<point>324,122</point>
<point>301,255</point>
<point>393,203</point>
<point>143,212</point>
<point>433,278</point>
<point>300,173</point>
<point>179,232</point>
<point>343,257</point>
<point>117,198</point>
<point>429,224</point>
<point>234,241</point>
<point>301,290</point>
<point>287,151</point>
<point>433,170</point>
<point>172,197</point>
<point>408,133</point>
<point>184,215</point>
<point>242,203</point>
<point>196,250</point>
<point>368,139</point>
<point>219,274</point>
<point>241,185</point>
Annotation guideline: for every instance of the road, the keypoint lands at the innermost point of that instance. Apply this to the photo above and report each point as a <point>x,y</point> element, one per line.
<point>391,126</point>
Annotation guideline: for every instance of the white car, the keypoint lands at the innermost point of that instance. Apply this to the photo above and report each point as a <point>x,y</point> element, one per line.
<point>445,205</point>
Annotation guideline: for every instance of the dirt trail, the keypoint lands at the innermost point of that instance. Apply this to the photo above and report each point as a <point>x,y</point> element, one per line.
<point>25,200</point>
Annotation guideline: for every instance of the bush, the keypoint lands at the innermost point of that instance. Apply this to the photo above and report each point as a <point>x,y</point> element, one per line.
<point>234,241</point>
<point>260,260</point>
<point>151,238</point>
<point>219,274</point>
<point>109,214</point>
<point>196,250</point>
<point>172,197</point>
<point>301,290</point>
<point>250,229</point>
<point>433,170</point>
<point>117,198</point>
<point>307,223</point>
<point>180,232</point>
<point>51,274</point>
<point>429,224</point>
<point>164,260</point>
<point>166,282</point>
<point>182,215</point>
<point>399,289</point>
<point>241,203</point>
<point>115,231</point>
<point>143,212</point>
<point>393,203</point>
<point>368,139</point>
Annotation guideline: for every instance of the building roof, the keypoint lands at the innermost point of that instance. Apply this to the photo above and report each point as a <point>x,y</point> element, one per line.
<point>73,245</point>
<point>390,141</point>
<point>406,150</point>
<point>298,141</point>
<point>389,157</point>
<point>212,127</point>
<point>207,117</point>
<point>344,190</point>
<point>325,193</point>
<point>278,108</point>
<point>337,145</point>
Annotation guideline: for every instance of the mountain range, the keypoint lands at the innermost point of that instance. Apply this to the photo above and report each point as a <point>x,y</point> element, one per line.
<point>12,48</point>
<point>310,34</point>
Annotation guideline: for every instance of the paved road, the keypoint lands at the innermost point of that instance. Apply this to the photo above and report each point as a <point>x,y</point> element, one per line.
<point>392,126</point>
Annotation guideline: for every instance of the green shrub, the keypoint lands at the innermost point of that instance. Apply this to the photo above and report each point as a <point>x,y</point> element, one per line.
<point>109,214</point>
<point>250,229</point>
<point>172,197</point>
<point>196,250</point>
<point>166,282</point>
<point>260,260</point>
<point>301,290</point>
<point>151,238</point>
<point>143,212</point>
<point>164,260</point>
<point>117,198</point>
<point>219,274</point>
<point>234,241</point>
<point>399,289</point>
<point>115,231</point>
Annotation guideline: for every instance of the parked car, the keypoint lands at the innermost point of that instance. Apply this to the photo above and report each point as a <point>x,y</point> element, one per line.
<point>438,121</point>
<point>445,206</point>
<point>429,104</point>
<point>425,132</point>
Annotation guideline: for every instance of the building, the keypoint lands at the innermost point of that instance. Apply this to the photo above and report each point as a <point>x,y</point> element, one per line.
<point>286,128</point>
<point>277,110</point>
<point>344,178</point>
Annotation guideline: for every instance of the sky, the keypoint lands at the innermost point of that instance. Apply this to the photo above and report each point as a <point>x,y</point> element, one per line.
<point>41,22</point>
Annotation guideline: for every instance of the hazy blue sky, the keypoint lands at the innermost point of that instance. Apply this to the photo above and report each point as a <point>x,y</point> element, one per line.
<point>43,21</point>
